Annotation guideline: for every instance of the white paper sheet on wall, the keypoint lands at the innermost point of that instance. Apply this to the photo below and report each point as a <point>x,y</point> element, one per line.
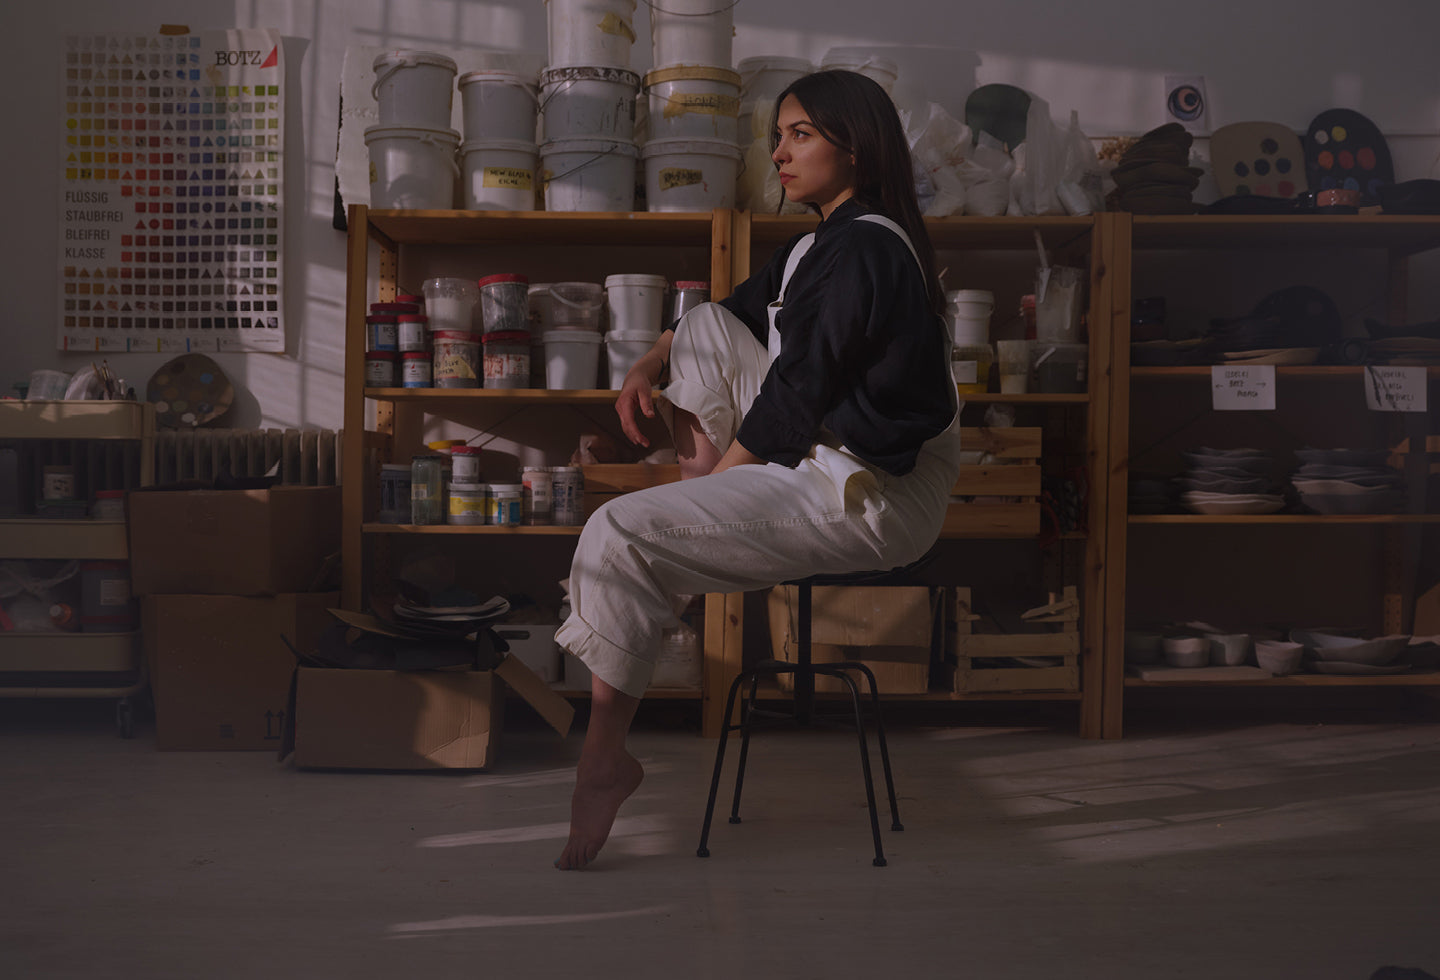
<point>172,192</point>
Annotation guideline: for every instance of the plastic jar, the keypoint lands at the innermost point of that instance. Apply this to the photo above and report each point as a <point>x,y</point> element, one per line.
<point>507,359</point>
<point>109,505</point>
<point>457,359</point>
<point>415,369</point>
<point>468,503</point>
<point>59,483</point>
<point>504,302</point>
<point>380,369</point>
<point>427,489</point>
<point>689,293</point>
<point>105,602</point>
<point>568,494</point>
<point>380,332</point>
<point>538,504</point>
<point>970,367</point>
<point>450,303</point>
<point>413,331</point>
<point>465,464</point>
<point>415,301</point>
<point>394,493</point>
<point>505,504</point>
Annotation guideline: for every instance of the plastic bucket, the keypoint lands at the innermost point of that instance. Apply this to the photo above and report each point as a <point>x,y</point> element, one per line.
<point>637,303</point>
<point>499,105</point>
<point>862,62</point>
<point>457,362</point>
<point>574,306</point>
<point>761,79</point>
<point>412,167</point>
<point>572,359</point>
<point>588,175</point>
<point>588,101</point>
<point>505,303</point>
<point>969,313</point>
<point>690,175</point>
<point>451,302</point>
<point>590,32</point>
<point>693,103</point>
<point>498,175</point>
<point>692,32</point>
<point>1059,367</point>
<point>622,349</point>
<point>414,88</point>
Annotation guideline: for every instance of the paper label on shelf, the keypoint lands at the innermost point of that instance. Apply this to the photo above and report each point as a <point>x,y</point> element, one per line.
<point>1250,388</point>
<point>1395,389</point>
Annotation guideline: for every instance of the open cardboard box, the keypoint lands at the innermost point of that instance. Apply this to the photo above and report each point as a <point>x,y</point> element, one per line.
<point>350,718</point>
<point>887,628</point>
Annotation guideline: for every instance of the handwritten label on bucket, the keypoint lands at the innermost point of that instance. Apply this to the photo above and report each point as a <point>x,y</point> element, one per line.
<point>613,23</point>
<point>702,103</point>
<point>513,178</point>
<point>673,177</point>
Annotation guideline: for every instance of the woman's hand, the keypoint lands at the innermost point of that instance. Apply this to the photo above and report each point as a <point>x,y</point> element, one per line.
<point>635,391</point>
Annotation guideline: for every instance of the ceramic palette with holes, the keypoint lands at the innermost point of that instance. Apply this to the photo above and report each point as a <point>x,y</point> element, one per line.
<point>1346,151</point>
<point>1260,158</point>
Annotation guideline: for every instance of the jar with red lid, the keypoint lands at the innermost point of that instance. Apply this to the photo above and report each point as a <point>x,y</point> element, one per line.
<point>507,359</point>
<point>505,303</point>
<point>413,331</point>
<point>380,332</point>
<point>380,369</point>
<point>415,369</point>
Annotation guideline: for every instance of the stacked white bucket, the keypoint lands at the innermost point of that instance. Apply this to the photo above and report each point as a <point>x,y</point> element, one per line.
<point>636,302</point>
<point>499,156</point>
<point>691,155</point>
<point>587,106</point>
<point>412,148</point>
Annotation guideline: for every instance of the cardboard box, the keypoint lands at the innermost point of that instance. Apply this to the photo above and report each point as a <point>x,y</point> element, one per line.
<point>888,628</point>
<point>534,645</point>
<point>220,671</point>
<point>422,719</point>
<point>232,542</point>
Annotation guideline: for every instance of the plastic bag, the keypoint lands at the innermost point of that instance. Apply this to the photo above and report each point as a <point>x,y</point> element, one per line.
<point>985,177</point>
<point>937,150</point>
<point>1051,166</point>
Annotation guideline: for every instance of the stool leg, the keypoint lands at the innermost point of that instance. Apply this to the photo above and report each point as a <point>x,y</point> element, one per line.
<point>725,729</point>
<point>804,675</point>
<point>895,823</point>
<point>745,714</point>
<point>879,861</point>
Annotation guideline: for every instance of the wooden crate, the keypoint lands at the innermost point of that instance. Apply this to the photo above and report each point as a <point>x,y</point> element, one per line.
<point>1015,477</point>
<point>606,480</point>
<point>1062,641</point>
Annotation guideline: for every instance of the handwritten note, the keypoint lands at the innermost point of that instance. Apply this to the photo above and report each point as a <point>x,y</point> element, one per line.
<point>1395,389</point>
<point>1248,388</point>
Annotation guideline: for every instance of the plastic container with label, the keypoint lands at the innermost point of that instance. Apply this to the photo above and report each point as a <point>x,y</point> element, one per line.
<point>465,464</point>
<point>970,367</point>
<point>427,489</point>
<point>394,493</point>
<point>468,502</point>
<point>538,507</point>
<point>505,504</point>
<point>415,369</point>
<point>507,359</point>
<point>380,369</point>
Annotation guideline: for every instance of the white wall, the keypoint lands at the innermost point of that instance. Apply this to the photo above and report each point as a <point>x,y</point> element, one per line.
<point>1274,60</point>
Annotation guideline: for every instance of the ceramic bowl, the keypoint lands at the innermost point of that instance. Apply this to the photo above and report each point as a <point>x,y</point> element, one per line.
<point>1186,651</point>
<point>1278,656</point>
<point>1229,649</point>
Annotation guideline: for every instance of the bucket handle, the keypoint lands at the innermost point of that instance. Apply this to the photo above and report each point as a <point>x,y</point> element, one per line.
<point>432,141</point>
<point>403,62</point>
<point>702,13</point>
<point>571,303</point>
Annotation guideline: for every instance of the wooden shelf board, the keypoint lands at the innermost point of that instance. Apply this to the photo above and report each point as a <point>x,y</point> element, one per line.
<point>1305,680</point>
<point>1279,519</point>
<point>1403,233</point>
<point>69,652</point>
<point>506,228</point>
<point>499,396</point>
<point>33,537</point>
<point>572,530</point>
<point>1202,371</point>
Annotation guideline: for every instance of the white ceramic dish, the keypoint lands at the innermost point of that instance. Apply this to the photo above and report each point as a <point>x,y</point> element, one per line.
<point>1237,504</point>
<point>1279,657</point>
<point>1332,647</point>
<point>1186,651</point>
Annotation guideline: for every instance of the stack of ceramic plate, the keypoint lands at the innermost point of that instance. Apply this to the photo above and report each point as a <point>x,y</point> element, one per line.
<point>1348,481</point>
<point>1229,481</point>
<point>1337,653</point>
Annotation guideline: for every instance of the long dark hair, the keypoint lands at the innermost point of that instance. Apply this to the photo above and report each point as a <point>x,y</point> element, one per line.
<point>854,113</point>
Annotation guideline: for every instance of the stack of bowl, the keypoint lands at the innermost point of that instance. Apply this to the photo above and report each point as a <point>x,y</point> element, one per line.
<point>1348,481</point>
<point>1230,481</point>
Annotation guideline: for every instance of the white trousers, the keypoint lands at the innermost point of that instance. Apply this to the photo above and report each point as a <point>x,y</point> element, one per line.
<point>747,528</point>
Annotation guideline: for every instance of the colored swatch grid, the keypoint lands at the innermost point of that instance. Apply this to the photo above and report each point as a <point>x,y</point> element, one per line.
<point>171,197</point>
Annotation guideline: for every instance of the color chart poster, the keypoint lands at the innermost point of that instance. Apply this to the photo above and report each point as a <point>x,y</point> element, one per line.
<point>171,192</point>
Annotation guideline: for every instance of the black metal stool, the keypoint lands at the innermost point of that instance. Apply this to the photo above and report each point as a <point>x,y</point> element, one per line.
<point>803,711</point>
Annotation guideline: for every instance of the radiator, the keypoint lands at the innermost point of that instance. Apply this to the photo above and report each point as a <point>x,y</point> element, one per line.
<point>300,457</point>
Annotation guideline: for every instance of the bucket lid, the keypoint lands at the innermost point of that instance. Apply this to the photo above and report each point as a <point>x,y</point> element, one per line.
<point>415,355</point>
<point>970,296</point>
<point>383,317</point>
<point>406,306</point>
<point>408,58</point>
<point>709,147</point>
<point>423,134</point>
<point>635,279</point>
<point>497,75</point>
<point>692,73</point>
<point>465,450</point>
<point>692,284</point>
<point>502,277</point>
<point>856,59</point>
<point>518,146</point>
<point>572,337</point>
<point>591,144</point>
<point>506,337</point>
<point>408,298</point>
<point>774,63</point>
<point>395,467</point>
<point>594,73</point>
<point>456,337</point>
<point>507,488</point>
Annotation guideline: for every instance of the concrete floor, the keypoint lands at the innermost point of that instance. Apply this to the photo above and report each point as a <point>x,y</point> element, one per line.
<point>1250,843</point>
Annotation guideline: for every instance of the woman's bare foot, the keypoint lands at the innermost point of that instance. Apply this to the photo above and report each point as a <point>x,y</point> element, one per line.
<point>601,785</point>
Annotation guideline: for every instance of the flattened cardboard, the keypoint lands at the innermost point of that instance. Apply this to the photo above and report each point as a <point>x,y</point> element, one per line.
<point>231,542</point>
<point>219,670</point>
<point>424,719</point>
